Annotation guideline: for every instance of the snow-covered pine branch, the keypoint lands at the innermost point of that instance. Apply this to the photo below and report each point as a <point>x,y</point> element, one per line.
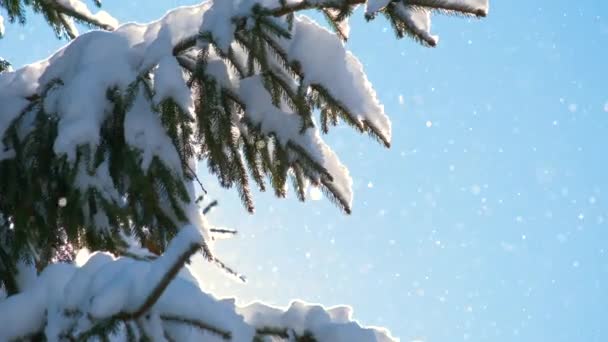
<point>122,299</point>
<point>101,141</point>
<point>230,83</point>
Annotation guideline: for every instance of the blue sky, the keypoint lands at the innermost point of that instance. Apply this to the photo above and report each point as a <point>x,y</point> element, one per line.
<point>489,225</point>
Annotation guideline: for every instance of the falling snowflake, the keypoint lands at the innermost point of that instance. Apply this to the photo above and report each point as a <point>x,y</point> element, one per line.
<point>62,202</point>
<point>475,189</point>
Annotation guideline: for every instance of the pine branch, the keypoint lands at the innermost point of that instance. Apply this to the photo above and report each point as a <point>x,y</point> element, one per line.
<point>298,181</point>
<point>67,26</point>
<point>284,9</point>
<point>272,331</point>
<point>223,231</point>
<point>194,175</point>
<point>307,5</point>
<point>209,207</point>
<point>307,161</point>
<point>324,95</point>
<point>277,81</point>
<point>155,294</point>
<point>226,335</point>
<point>450,7</point>
<point>8,271</point>
<point>102,327</point>
<point>184,45</point>
<point>335,24</point>
<point>79,16</point>
<point>229,270</point>
<point>333,194</point>
<point>403,24</point>
<point>252,158</point>
<point>4,65</point>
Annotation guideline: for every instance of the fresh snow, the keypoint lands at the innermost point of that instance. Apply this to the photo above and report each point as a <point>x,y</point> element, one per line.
<point>286,125</point>
<point>169,82</point>
<point>333,324</point>
<point>374,6</point>
<point>97,61</point>
<point>1,26</point>
<point>82,9</point>
<point>419,20</point>
<point>481,6</point>
<point>100,285</point>
<point>144,130</point>
<point>346,82</point>
<point>116,59</point>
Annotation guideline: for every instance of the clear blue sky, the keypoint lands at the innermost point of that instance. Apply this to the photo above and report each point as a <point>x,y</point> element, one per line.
<point>489,225</point>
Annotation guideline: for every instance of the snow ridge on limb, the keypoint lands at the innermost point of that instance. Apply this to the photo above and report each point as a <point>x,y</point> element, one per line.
<point>333,324</point>
<point>119,298</point>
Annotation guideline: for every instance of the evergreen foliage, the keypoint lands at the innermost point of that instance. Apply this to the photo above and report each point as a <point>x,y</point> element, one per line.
<point>57,13</point>
<point>50,200</point>
<point>4,65</point>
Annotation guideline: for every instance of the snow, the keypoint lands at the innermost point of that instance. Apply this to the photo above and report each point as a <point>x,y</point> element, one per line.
<point>112,59</point>
<point>101,181</point>
<point>418,17</point>
<point>70,25</point>
<point>26,275</point>
<point>214,21</point>
<point>346,82</point>
<point>82,104</point>
<point>25,312</point>
<point>373,6</point>
<point>1,26</point>
<point>144,130</point>
<point>419,21</point>
<point>82,9</point>
<point>327,324</point>
<point>475,6</point>
<point>116,60</point>
<point>15,86</point>
<point>100,285</point>
<point>222,30</point>
<point>169,82</point>
<point>286,125</point>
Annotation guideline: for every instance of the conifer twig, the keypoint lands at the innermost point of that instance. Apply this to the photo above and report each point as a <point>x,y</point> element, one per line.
<point>451,7</point>
<point>199,324</point>
<point>72,13</point>
<point>165,280</point>
<point>306,5</point>
<point>196,178</point>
